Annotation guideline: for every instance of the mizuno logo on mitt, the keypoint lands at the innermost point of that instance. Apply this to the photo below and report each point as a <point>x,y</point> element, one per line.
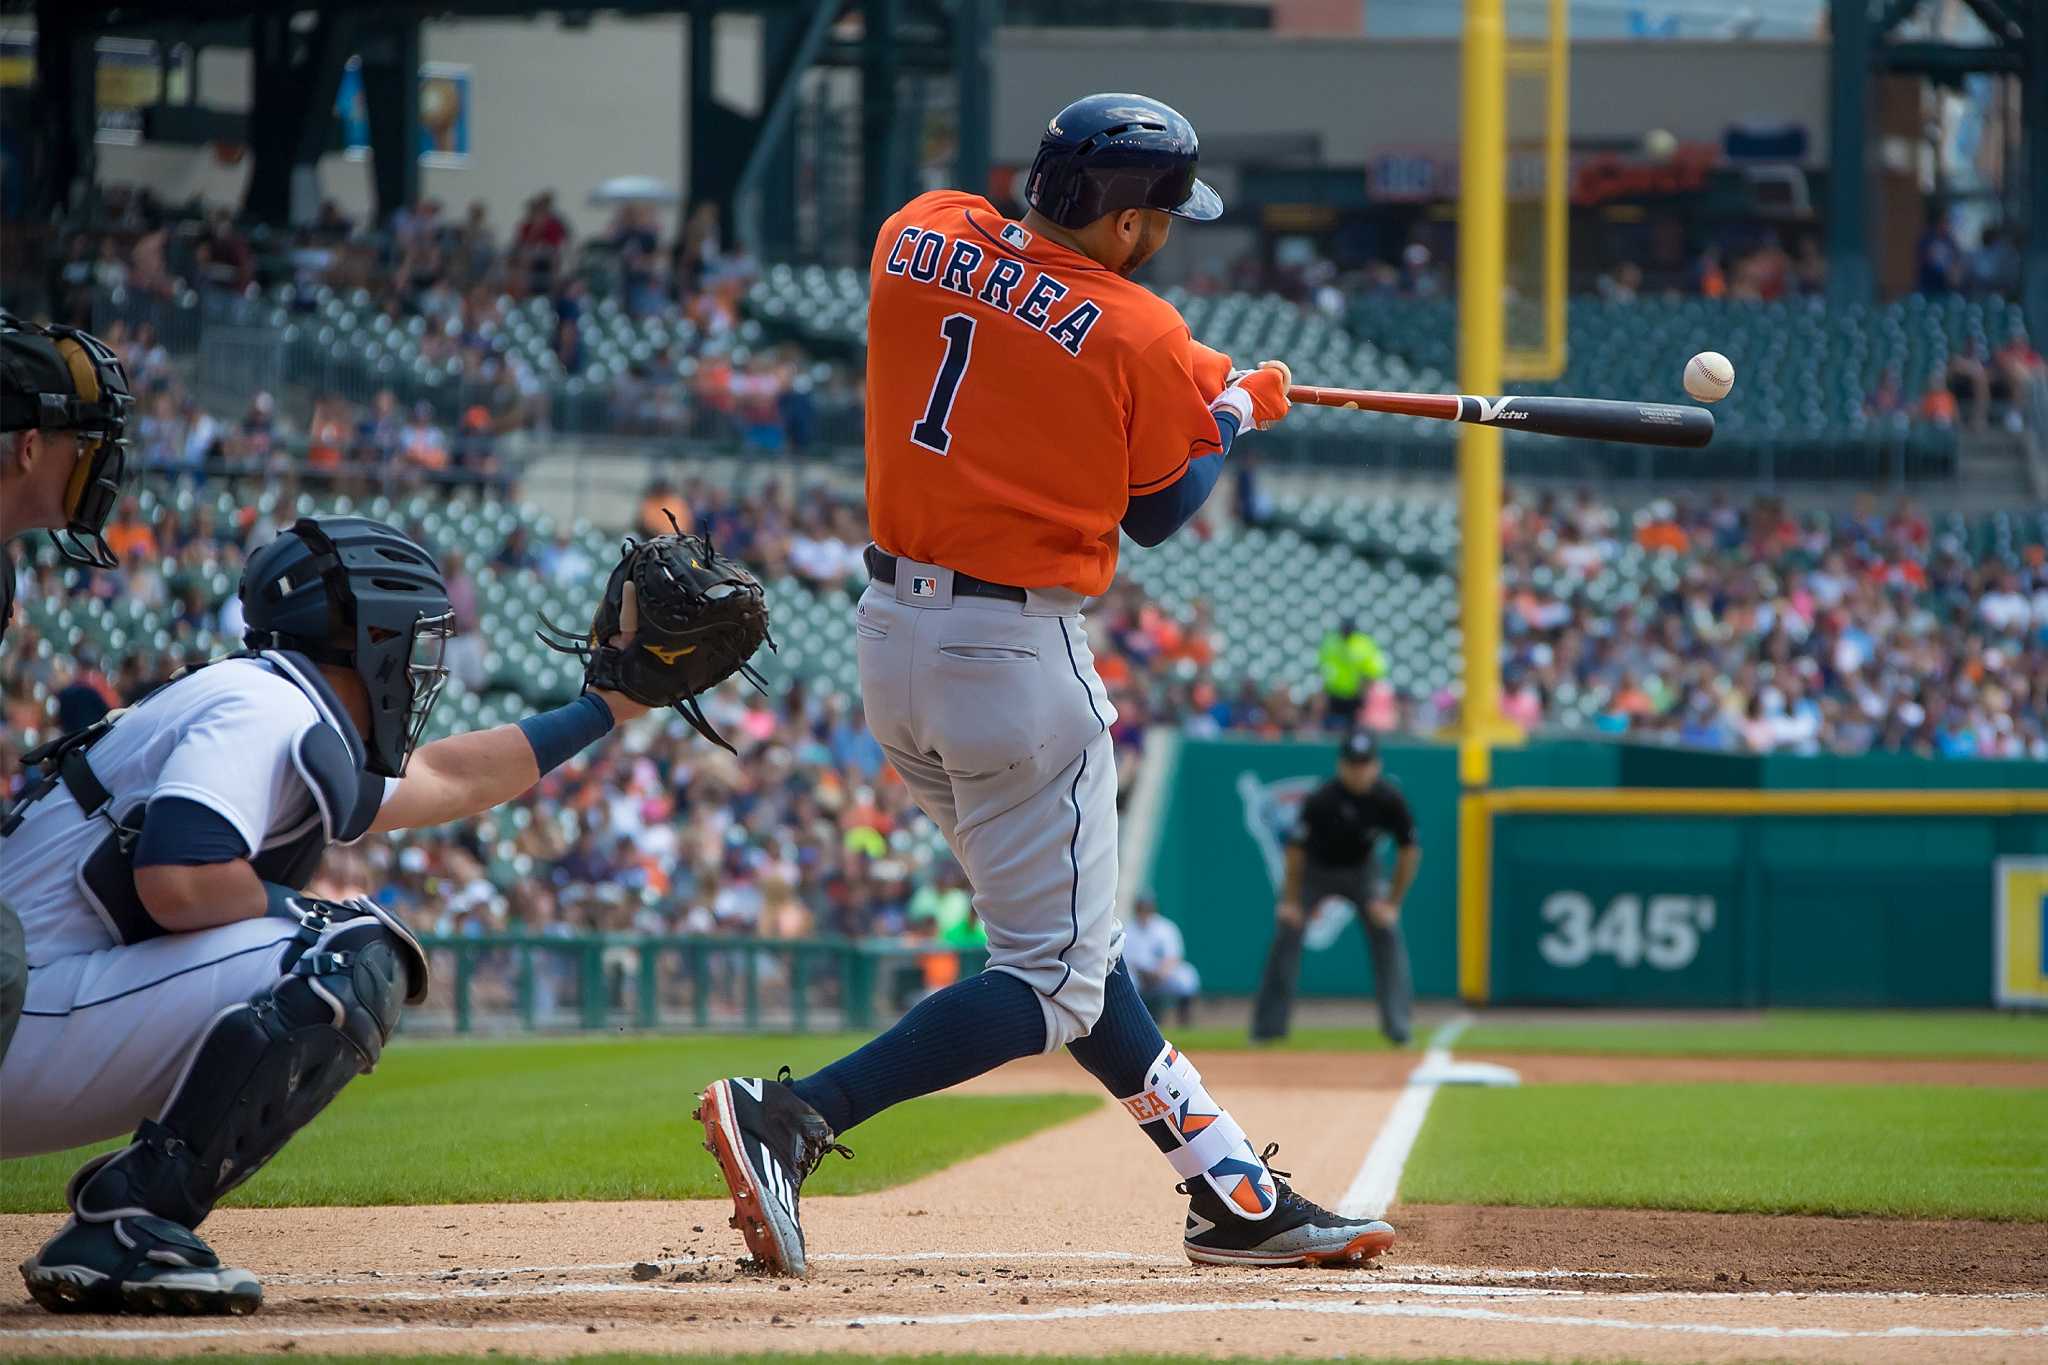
<point>669,656</point>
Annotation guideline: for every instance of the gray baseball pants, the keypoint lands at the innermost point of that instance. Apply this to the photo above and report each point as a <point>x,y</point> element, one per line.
<point>992,712</point>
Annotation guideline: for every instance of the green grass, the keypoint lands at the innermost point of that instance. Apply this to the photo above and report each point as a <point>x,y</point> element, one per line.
<point>1899,1151</point>
<point>1779,1033</point>
<point>596,1118</point>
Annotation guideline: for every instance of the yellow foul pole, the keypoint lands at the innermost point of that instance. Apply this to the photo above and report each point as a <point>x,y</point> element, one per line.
<point>1482,256</point>
<point>1482,264</point>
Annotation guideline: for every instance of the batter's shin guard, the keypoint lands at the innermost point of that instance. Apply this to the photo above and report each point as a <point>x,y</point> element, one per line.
<point>262,1072</point>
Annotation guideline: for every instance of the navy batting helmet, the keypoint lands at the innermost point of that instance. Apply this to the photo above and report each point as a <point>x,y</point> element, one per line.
<point>1107,153</point>
<point>355,593</point>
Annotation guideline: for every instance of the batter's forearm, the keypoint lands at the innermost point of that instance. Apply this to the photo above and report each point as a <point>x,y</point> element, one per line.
<point>1150,519</point>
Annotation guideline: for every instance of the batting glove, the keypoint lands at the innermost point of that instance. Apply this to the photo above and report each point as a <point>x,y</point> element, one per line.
<point>1264,391</point>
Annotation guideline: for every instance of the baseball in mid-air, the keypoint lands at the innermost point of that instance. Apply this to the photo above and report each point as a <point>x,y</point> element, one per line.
<point>1709,376</point>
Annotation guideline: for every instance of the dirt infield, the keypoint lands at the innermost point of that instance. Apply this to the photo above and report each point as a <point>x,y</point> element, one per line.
<point>1069,1241</point>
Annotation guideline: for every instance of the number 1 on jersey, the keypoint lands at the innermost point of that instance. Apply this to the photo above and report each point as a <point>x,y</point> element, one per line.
<point>930,430</point>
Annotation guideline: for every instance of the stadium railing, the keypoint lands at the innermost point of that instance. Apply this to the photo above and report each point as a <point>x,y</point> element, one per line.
<point>538,982</point>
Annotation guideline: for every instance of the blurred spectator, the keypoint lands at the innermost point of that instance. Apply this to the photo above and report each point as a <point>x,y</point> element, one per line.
<point>564,561</point>
<point>540,240</point>
<point>658,504</point>
<point>515,553</point>
<point>421,442</point>
<point>1969,379</point>
<point>1254,507</point>
<point>1938,258</point>
<point>1349,659</point>
<point>1709,278</point>
<point>327,434</point>
<point>466,654</point>
<point>223,253</point>
<point>1994,267</point>
<point>1938,405</point>
<point>1157,957</point>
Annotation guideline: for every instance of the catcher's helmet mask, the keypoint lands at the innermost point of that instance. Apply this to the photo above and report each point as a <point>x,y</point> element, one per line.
<point>1112,152</point>
<point>63,379</point>
<point>360,595</point>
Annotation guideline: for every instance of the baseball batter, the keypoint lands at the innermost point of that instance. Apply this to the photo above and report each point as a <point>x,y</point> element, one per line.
<point>1026,404</point>
<point>180,985</point>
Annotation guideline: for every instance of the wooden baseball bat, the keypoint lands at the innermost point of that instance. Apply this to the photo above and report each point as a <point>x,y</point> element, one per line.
<point>1594,419</point>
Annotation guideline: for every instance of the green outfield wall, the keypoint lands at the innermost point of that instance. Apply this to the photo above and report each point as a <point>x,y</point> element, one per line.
<point>1755,902</point>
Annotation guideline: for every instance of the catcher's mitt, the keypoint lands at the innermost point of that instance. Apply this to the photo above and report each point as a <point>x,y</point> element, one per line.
<point>677,619</point>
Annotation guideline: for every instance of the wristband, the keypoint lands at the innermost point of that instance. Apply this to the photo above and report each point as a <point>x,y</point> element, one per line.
<point>1235,400</point>
<point>559,735</point>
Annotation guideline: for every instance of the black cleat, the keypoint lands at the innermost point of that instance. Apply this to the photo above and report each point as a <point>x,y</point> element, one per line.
<point>1297,1232</point>
<point>138,1264</point>
<point>767,1142</point>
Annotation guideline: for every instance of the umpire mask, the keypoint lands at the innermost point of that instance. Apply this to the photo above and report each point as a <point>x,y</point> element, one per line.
<point>62,379</point>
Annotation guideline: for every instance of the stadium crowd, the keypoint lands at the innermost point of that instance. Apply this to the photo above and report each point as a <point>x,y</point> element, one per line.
<point>1772,632</point>
<point>1779,633</point>
<point>1783,633</point>
<point>453,284</point>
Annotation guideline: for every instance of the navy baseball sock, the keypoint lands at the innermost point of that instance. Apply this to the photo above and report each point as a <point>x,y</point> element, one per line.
<point>1125,1041</point>
<point>951,1036</point>
<point>1120,1049</point>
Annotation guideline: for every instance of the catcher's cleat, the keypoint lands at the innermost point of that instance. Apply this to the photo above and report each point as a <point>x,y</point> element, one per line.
<point>138,1264</point>
<point>1297,1232</point>
<point>767,1142</point>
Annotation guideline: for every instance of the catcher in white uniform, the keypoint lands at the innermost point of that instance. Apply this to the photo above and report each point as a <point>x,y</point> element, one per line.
<point>180,985</point>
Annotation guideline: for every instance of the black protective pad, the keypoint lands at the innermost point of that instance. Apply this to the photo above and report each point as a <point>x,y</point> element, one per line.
<point>348,798</point>
<point>263,1072</point>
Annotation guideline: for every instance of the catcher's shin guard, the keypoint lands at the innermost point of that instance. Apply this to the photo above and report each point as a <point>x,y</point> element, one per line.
<point>262,1072</point>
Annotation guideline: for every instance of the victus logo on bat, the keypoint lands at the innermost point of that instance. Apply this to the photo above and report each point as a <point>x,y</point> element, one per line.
<point>1497,410</point>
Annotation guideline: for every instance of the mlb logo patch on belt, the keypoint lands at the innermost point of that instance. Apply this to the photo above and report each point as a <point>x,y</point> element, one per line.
<point>923,586</point>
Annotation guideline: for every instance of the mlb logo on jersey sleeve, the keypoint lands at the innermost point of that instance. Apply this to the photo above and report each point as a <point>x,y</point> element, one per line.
<point>923,586</point>
<point>1016,236</point>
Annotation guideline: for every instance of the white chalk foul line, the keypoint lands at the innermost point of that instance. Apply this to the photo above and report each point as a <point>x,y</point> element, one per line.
<point>1277,1281</point>
<point>601,1288</point>
<point>1439,1312</point>
<point>989,1258</point>
<point>1398,1310</point>
<point>1379,1178</point>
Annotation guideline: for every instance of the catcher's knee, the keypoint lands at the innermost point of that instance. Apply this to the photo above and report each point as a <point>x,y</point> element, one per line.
<point>263,1070</point>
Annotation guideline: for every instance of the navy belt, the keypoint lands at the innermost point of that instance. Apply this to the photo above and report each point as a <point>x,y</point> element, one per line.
<point>882,568</point>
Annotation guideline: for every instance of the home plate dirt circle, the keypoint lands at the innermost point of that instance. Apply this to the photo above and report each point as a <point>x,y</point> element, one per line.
<point>1068,1242</point>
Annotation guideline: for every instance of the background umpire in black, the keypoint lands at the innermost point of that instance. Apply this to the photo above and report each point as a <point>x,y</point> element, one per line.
<point>1329,853</point>
<point>64,404</point>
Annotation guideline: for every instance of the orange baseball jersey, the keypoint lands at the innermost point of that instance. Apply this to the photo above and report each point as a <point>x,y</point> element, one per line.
<point>1018,396</point>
